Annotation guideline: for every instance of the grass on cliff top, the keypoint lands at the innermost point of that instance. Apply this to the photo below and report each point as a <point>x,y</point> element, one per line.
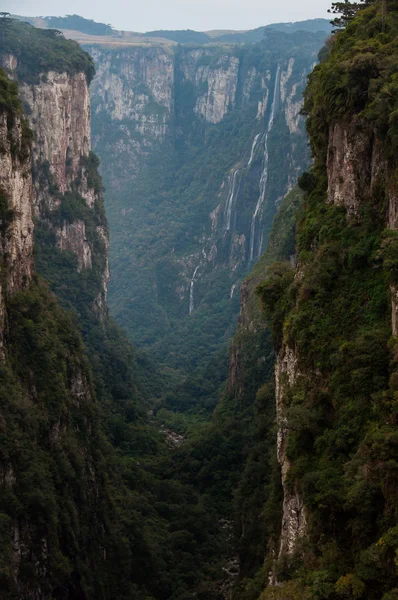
<point>359,81</point>
<point>41,50</point>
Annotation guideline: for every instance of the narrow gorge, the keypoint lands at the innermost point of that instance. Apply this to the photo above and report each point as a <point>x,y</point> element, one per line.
<point>198,148</point>
<point>226,429</point>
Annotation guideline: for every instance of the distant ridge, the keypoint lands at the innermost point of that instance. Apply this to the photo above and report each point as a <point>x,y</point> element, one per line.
<point>256,35</point>
<point>183,36</point>
<point>72,25</point>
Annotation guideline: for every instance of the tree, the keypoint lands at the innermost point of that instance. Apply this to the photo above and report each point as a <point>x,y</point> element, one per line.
<point>347,11</point>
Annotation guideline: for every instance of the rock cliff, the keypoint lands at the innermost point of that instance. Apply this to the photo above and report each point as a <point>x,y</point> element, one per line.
<point>251,394</point>
<point>334,321</point>
<point>66,186</point>
<point>16,201</point>
<point>39,410</point>
<point>74,494</point>
<point>71,231</point>
<point>198,147</point>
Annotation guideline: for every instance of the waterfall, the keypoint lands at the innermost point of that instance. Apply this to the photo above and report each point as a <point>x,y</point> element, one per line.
<point>230,200</point>
<point>233,288</point>
<point>191,291</point>
<point>253,150</point>
<point>264,174</point>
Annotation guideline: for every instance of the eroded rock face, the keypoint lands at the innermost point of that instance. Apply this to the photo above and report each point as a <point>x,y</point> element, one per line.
<point>219,80</point>
<point>16,191</point>
<point>72,237</point>
<point>59,113</point>
<point>131,84</point>
<point>294,517</point>
<point>354,166</point>
<point>357,169</point>
<point>16,221</point>
<point>29,542</point>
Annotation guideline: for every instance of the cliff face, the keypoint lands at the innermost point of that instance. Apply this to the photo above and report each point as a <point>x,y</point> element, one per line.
<point>16,207</point>
<point>64,173</point>
<point>162,118</point>
<point>250,397</point>
<point>39,409</point>
<point>74,495</point>
<point>294,514</point>
<point>59,109</point>
<point>71,232</point>
<point>334,321</point>
<point>133,91</point>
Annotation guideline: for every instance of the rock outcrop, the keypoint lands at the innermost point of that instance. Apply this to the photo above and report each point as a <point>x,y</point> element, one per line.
<point>294,515</point>
<point>64,170</point>
<point>16,201</point>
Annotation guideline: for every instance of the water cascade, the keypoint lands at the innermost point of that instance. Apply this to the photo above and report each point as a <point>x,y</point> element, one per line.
<point>191,291</point>
<point>233,288</point>
<point>264,174</point>
<point>253,150</point>
<point>230,200</point>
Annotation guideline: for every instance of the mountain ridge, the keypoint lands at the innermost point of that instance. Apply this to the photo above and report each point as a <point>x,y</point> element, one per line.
<point>73,26</point>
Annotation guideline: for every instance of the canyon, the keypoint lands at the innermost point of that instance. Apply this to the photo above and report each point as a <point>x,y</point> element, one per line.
<point>198,148</point>
<point>182,468</point>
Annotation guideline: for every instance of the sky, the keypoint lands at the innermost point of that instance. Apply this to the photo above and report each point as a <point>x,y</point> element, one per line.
<point>201,15</point>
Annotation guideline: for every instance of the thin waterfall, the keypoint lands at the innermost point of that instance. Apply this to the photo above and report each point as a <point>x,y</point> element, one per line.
<point>191,291</point>
<point>253,150</point>
<point>264,174</point>
<point>230,200</point>
<point>233,288</point>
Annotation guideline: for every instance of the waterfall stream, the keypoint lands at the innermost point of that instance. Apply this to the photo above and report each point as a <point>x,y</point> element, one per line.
<point>254,253</point>
<point>191,291</point>
<point>230,200</point>
<point>254,146</point>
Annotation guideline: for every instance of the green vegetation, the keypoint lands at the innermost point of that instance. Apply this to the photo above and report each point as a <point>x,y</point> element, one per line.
<point>77,23</point>
<point>318,27</point>
<point>232,459</point>
<point>123,515</point>
<point>9,100</point>
<point>159,215</point>
<point>65,483</point>
<point>336,315</point>
<point>41,50</point>
<point>90,500</point>
<point>363,85</point>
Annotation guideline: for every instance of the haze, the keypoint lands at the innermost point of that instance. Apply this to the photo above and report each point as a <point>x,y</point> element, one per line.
<point>201,15</point>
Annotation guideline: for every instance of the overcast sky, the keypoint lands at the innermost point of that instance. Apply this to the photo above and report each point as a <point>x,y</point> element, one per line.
<point>202,15</point>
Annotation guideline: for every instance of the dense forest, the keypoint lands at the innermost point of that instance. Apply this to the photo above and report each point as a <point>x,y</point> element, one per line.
<point>122,479</point>
<point>334,325</point>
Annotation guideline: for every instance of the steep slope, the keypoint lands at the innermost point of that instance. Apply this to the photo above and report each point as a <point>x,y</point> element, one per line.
<point>334,325</point>
<point>71,233</point>
<point>198,146</point>
<point>51,490</point>
<point>91,505</point>
<point>233,458</point>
